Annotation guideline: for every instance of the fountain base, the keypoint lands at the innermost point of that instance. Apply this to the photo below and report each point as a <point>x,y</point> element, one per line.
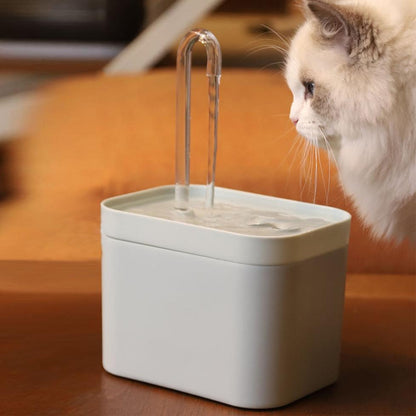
<point>251,321</point>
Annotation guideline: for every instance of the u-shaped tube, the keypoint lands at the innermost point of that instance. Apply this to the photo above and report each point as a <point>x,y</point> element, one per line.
<point>183,113</point>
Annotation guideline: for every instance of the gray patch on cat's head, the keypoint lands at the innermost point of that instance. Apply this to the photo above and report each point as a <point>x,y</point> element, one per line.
<point>322,103</point>
<point>365,46</point>
<point>356,32</point>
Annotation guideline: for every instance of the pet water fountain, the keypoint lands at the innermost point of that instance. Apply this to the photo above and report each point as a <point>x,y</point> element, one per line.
<point>236,297</point>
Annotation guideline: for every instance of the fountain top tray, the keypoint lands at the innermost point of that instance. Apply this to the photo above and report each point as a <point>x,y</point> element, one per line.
<point>259,241</point>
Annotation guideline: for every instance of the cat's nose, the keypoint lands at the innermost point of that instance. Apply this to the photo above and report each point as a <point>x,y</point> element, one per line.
<point>294,120</point>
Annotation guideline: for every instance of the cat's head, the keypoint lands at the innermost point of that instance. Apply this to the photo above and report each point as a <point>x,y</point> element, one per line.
<point>338,71</point>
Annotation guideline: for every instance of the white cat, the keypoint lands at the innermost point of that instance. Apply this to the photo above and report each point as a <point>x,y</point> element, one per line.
<point>352,70</point>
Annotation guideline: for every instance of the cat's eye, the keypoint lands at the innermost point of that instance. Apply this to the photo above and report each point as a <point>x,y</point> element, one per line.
<point>309,88</point>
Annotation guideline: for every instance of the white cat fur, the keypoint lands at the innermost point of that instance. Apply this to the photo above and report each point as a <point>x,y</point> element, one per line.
<point>367,105</point>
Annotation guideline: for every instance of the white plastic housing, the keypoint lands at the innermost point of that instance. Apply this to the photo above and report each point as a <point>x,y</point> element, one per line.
<point>249,333</point>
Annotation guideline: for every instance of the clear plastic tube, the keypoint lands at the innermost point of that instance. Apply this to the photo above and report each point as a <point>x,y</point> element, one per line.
<point>183,113</point>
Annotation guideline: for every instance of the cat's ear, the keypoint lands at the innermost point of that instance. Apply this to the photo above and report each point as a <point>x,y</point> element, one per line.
<point>335,23</point>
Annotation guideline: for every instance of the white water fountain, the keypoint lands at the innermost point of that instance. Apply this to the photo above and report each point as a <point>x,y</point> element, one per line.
<point>237,297</point>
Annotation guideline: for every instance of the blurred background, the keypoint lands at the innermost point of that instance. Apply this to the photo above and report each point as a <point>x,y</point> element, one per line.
<point>41,40</point>
<point>45,40</point>
<point>80,35</point>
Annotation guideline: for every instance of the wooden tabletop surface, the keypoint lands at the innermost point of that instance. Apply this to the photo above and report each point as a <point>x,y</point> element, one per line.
<point>50,351</point>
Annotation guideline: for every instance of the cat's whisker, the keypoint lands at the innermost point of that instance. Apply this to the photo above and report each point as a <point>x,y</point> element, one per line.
<point>315,151</point>
<point>261,36</point>
<point>326,191</point>
<point>296,147</point>
<point>297,144</point>
<point>314,172</point>
<point>301,165</point>
<point>329,152</point>
<point>305,153</point>
<point>311,171</point>
<point>285,133</point>
<point>278,64</point>
<point>329,174</point>
<point>305,168</point>
<point>265,45</point>
<point>258,49</point>
<point>265,42</point>
<point>333,159</point>
<point>277,34</point>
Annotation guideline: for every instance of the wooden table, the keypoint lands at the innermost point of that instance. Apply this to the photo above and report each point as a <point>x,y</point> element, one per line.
<point>50,351</point>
